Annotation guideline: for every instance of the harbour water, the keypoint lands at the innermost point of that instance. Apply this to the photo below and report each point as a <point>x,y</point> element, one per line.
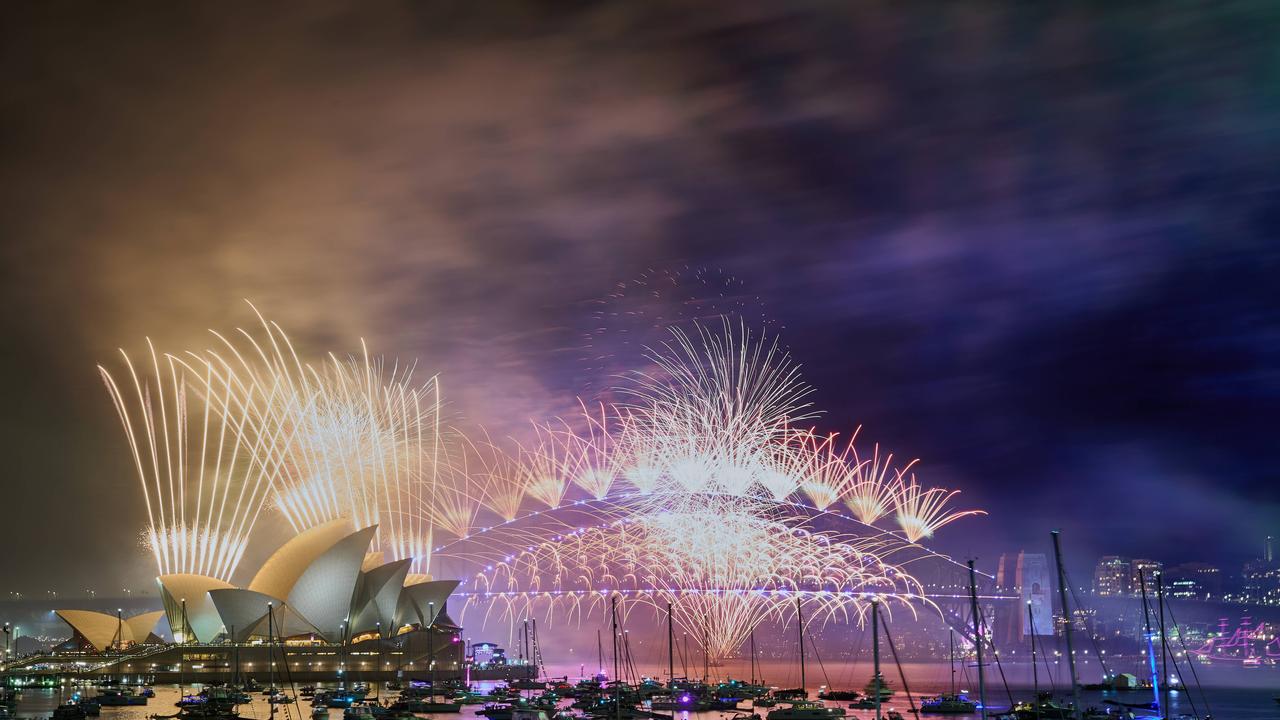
<point>1225,703</point>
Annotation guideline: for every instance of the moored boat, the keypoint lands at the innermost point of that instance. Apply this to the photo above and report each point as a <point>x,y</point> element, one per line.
<point>948,705</point>
<point>805,711</point>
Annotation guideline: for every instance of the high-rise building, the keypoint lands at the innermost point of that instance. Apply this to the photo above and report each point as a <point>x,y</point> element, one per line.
<point>1111,577</point>
<point>1193,580</point>
<point>1268,549</point>
<point>1141,570</point>
<point>1261,583</point>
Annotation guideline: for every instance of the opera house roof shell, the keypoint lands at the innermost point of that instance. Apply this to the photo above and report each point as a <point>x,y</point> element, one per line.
<point>323,583</point>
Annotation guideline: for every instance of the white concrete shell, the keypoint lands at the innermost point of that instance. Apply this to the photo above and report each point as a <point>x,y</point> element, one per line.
<point>202,616</point>
<point>244,614</point>
<point>378,596</point>
<point>285,567</point>
<point>325,590</point>
<point>141,626</point>
<point>420,603</point>
<point>102,630</point>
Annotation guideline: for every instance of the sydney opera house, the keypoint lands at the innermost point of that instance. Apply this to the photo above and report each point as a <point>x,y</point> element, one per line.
<point>323,596</point>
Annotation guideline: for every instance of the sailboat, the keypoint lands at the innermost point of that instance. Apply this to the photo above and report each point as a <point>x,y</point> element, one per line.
<point>952,703</point>
<point>801,709</point>
<point>878,685</point>
<point>877,690</point>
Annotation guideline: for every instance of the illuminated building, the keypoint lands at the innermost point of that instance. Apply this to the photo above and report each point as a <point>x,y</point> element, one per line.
<point>1112,576</point>
<point>1193,581</point>
<point>1261,583</point>
<point>1140,569</point>
<point>485,654</point>
<point>323,586</point>
<point>98,632</point>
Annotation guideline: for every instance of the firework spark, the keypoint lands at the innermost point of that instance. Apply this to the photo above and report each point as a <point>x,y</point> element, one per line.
<point>921,512</point>
<point>203,479</point>
<point>701,488</point>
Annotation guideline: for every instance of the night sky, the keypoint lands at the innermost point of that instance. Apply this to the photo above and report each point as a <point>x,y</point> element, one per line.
<point>1033,244</point>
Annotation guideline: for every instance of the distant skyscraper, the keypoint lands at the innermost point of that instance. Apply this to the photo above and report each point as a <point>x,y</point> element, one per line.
<point>1139,570</point>
<point>1260,583</point>
<point>1111,577</point>
<point>1193,580</point>
<point>1267,550</point>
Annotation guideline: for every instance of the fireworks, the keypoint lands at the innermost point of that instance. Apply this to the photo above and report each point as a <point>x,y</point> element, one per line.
<point>729,564</point>
<point>702,486</point>
<point>870,493</point>
<point>920,512</point>
<point>201,475</point>
<point>343,439</point>
<point>705,502</point>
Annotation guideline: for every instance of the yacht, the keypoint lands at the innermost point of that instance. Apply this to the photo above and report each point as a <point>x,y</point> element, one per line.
<point>949,705</point>
<point>1044,708</point>
<point>806,711</point>
<point>112,697</point>
<point>886,691</point>
<point>68,711</point>
<point>358,712</point>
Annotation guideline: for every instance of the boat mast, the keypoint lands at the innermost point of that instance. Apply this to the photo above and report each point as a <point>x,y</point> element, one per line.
<point>1151,651</point>
<point>431,649</point>
<point>613,618</point>
<point>671,649</point>
<point>537,651</point>
<point>875,650</point>
<point>977,639</point>
<point>617,683</point>
<point>599,652</point>
<point>1066,623</point>
<point>182,655</point>
<point>118,641</point>
<point>686,657</point>
<point>528,655</point>
<point>951,655</point>
<point>706,652</point>
<point>271,660</point>
<point>1164,648</point>
<point>800,627</point>
<point>753,657</point>
<point>1035,674</point>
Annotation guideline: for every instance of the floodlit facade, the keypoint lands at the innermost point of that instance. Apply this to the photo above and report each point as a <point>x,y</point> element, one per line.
<point>1111,577</point>
<point>101,630</point>
<point>324,584</point>
<point>191,614</point>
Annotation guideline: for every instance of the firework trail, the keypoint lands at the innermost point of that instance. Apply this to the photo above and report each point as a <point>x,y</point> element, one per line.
<point>707,499</point>
<point>203,474</point>
<point>342,439</point>
<point>701,486</point>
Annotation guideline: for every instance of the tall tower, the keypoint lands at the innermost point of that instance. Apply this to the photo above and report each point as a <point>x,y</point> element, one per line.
<point>1267,550</point>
